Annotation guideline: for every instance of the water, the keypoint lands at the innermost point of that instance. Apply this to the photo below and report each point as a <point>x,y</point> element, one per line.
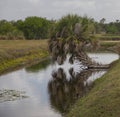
<point>104,58</point>
<point>50,88</point>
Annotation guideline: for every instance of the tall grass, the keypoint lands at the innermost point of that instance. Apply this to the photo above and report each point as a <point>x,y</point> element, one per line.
<point>14,53</point>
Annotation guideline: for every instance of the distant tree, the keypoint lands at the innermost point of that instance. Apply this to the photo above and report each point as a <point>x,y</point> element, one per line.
<point>19,24</point>
<point>102,21</point>
<point>97,27</point>
<point>102,25</point>
<point>6,27</point>
<point>11,32</point>
<point>117,24</point>
<point>34,27</point>
<point>111,28</point>
<point>117,21</point>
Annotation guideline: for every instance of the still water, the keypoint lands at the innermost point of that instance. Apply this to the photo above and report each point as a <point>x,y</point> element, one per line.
<point>50,88</point>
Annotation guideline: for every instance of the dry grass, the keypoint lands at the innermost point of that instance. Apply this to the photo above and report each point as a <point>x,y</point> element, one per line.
<point>108,37</point>
<point>14,53</point>
<point>108,45</point>
<point>20,44</point>
<point>10,49</point>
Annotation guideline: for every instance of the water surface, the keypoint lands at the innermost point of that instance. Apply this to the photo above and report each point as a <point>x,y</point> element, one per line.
<point>50,88</point>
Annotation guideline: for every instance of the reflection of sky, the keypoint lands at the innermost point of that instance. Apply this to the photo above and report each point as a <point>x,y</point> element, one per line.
<point>104,58</point>
<point>35,86</point>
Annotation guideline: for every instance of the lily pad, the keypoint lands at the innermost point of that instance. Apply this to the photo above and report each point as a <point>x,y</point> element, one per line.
<point>11,95</point>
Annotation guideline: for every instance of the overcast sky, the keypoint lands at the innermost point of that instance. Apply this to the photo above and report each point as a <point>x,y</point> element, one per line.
<point>54,9</point>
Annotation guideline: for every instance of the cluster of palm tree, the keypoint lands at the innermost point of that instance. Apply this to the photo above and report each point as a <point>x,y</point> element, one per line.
<point>70,35</point>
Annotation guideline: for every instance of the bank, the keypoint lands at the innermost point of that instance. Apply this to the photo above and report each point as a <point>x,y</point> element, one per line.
<point>104,98</point>
<point>18,53</point>
<point>108,37</point>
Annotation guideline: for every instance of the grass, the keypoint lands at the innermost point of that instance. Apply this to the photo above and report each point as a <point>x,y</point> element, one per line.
<point>107,37</point>
<point>103,100</point>
<point>15,53</point>
<point>107,44</point>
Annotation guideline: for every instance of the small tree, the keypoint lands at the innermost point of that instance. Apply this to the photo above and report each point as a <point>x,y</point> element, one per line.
<point>10,31</point>
<point>35,27</point>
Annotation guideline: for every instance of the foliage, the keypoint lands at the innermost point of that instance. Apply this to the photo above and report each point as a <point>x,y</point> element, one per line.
<point>34,27</point>
<point>111,28</point>
<point>70,35</point>
<point>8,31</point>
<point>73,25</point>
<point>31,28</point>
<point>40,28</point>
<point>108,28</point>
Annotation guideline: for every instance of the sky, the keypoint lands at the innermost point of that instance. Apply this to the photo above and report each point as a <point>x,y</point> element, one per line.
<point>55,9</point>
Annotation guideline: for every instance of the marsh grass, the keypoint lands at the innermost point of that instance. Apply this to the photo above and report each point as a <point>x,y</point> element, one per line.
<point>107,37</point>
<point>103,100</point>
<point>15,53</point>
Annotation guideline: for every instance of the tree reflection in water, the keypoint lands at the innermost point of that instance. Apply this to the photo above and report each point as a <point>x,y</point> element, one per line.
<point>64,91</point>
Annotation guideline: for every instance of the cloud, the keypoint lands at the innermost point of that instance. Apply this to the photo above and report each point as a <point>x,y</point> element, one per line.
<point>34,1</point>
<point>17,9</point>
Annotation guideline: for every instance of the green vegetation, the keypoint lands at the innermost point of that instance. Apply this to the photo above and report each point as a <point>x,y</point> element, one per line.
<point>20,52</point>
<point>30,28</point>
<point>38,67</point>
<point>107,28</point>
<point>113,46</point>
<point>71,32</point>
<point>34,27</point>
<point>103,100</point>
<point>107,37</point>
<point>108,44</point>
<point>73,26</point>
<point>9,31</point>
<point>40,28</point>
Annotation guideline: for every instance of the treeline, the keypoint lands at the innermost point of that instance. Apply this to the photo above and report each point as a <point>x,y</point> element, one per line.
<point>30,28</point>
<point>40,28</point>
<point>108,28</point>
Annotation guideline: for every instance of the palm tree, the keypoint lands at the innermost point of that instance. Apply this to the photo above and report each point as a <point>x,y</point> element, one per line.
<point>69,36</point>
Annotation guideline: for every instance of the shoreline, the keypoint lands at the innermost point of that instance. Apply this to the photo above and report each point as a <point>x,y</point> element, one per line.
<point>16,54</point>
<point>103,99</point>
<point>15,64</point>
<point>95,103</point>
